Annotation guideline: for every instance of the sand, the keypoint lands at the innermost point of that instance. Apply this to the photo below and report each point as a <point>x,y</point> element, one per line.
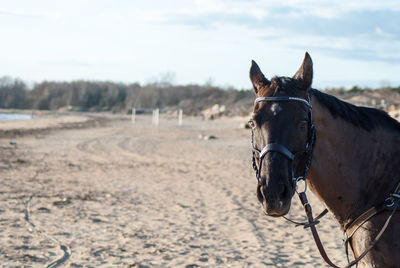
<point>103,192</point>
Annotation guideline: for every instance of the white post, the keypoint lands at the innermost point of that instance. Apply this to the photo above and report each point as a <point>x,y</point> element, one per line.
<point>133,115</point>
<point>156,114</point>
<point>180,117</point>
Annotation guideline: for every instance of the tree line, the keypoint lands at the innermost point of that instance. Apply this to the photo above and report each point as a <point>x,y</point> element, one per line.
<point>96,96</point>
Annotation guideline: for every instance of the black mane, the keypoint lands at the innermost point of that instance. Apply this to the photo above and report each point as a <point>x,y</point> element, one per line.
<point>363,117</point>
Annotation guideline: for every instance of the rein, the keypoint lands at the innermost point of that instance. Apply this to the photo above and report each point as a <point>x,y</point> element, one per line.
<point>390,203</point>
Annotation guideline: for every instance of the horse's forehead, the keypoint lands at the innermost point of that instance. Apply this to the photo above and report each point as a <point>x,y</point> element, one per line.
<point>280,85</point>
<point>276,108</point>
<point>285,80</point>
<point>286,84</point>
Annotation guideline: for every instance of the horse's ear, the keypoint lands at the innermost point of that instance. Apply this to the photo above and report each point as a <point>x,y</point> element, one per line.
<point>257,77</point>
<point>305,73</point>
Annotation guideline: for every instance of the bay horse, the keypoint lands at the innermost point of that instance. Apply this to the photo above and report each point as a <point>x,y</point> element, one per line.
<point>349,156</point>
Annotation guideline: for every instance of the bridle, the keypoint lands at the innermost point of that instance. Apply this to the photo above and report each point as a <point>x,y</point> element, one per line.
<point>391,203</point>
<point>282,149</point>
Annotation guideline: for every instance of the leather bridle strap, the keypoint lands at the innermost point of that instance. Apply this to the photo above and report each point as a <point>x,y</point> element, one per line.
<point>312,222</point>
<point>276,147</point>
<point>305,224</point>
<point>390,203</point>
<point>353,227</point>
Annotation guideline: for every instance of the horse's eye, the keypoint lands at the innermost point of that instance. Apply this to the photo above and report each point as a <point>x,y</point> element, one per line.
<point>303,125</point>
<point>252,124</point>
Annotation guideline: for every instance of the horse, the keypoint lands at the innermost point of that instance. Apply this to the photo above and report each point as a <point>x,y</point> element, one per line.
<point>349,157</point>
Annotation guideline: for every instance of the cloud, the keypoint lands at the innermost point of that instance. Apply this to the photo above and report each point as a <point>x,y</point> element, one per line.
<point>363,30</point>
<point>355,53</point>
<point>210,32</point>
<point>314,17</point>
<point>65,62</point>
<point>316,20</point>
<point>7,12</point>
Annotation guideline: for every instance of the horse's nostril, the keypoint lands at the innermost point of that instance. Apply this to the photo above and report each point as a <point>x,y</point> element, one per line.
<point>260,196</point>
<point>284,191</point>
<point>263,193</point>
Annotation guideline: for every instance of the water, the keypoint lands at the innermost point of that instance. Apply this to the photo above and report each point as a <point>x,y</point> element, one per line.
<point>14,116</point>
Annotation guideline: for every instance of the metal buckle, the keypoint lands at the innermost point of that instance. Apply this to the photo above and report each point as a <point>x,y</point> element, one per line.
<point>392,199</point>
<point>389,199</point>
<point>301,178</point>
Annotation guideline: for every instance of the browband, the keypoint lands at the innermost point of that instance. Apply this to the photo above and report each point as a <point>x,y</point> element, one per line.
<point>283,99</point>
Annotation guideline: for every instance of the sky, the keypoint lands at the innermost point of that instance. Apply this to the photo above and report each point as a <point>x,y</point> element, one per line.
<point>200,41</point>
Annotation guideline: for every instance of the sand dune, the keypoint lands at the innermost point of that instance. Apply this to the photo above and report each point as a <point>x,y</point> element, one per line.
<point>124,195</point>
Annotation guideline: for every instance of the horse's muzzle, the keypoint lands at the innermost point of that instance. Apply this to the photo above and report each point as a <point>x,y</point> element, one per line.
<point>274,205</point>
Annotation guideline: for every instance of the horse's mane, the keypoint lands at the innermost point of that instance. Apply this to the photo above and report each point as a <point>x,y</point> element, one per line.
<point>363,117</point>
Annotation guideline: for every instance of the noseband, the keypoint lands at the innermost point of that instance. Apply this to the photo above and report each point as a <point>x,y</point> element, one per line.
<point>282,149</point>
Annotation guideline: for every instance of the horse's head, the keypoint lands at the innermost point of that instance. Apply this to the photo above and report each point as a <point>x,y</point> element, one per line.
<point>282,127</point>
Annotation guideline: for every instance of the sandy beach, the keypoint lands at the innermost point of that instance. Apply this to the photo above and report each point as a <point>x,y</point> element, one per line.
<point>99,191</point>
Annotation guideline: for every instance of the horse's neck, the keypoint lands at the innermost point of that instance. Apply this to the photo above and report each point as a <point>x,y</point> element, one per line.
<point>351,168</point>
